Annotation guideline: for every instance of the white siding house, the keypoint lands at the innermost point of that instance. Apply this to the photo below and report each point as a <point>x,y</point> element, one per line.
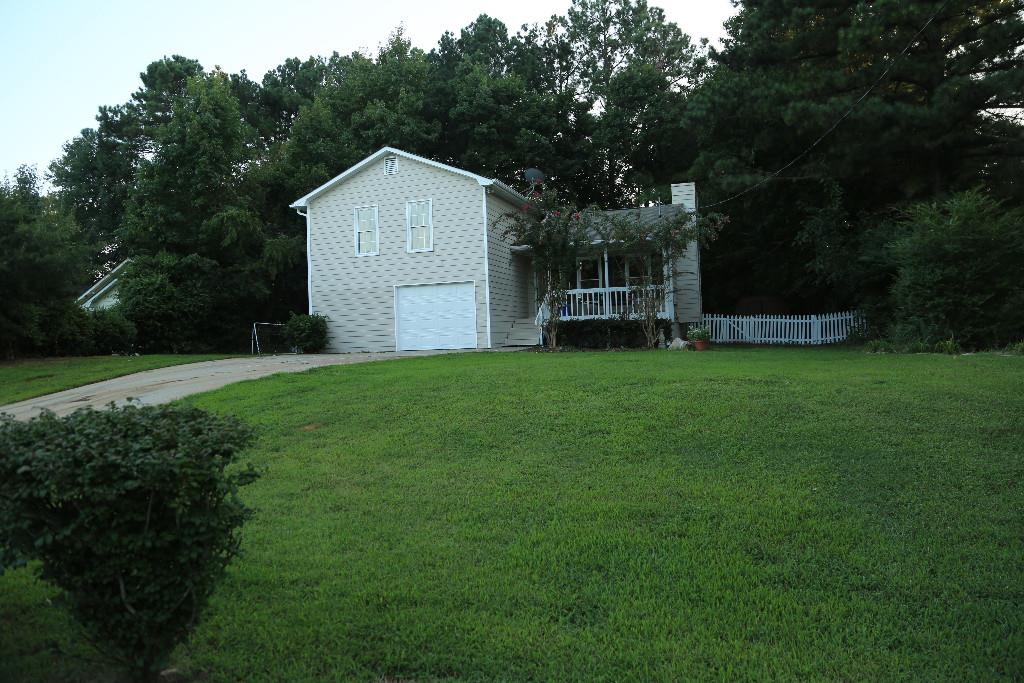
<point>407,253</point>
<point>398,249</point>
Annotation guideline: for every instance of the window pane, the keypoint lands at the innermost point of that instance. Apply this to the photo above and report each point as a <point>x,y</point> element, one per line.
<point>590,274</point>
<point>367,242</point>
<point>637,270</point>
<point>419,238</point>
<point>365,218</point>
<point>418,214</point>
<point>617,271</point>
<point>657,269</point>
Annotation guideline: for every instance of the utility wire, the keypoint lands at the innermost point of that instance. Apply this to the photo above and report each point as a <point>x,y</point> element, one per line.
<point>801,155</point>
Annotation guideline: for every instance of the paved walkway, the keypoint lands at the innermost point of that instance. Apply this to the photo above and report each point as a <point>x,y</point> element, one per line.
<point>168,384</point>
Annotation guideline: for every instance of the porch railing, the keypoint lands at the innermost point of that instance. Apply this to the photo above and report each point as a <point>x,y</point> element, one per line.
<point>609,302</point>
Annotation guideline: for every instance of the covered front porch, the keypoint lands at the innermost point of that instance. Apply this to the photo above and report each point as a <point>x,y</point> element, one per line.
<point>616,285</point>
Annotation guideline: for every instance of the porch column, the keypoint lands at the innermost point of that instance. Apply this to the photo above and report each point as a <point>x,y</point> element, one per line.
<point>669,278</point>
<point>607,296</point>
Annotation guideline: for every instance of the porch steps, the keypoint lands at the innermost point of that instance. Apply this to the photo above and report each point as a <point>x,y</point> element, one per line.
<point>523,333</point>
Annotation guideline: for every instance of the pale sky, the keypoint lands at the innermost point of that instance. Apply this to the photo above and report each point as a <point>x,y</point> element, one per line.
<point>61,60</point>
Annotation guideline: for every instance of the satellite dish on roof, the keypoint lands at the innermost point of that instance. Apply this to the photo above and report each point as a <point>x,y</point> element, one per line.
<point>535,178</point>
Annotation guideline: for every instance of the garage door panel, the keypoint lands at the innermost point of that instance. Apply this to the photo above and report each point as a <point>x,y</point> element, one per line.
<point>436,316</point>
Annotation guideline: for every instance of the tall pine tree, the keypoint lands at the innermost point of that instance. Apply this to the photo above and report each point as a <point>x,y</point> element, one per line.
<point>788,71</point>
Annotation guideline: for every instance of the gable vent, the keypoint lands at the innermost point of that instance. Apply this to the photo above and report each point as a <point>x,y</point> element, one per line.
<point>390,165</point>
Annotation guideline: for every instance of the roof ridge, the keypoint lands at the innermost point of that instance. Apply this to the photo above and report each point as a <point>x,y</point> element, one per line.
<point>304,200</point>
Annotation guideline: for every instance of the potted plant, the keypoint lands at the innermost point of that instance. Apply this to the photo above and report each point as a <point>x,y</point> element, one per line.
<point>700,336</point>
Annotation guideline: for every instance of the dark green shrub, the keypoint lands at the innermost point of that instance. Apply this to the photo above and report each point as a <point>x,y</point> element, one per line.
<point>168,299</point>
<point>1015,347</point>
<point>607,334</point>
<point>131,512</point>
<point>306,333</point>
<point>66,330</point>
<point>111,331</point>
<point>958,266</point>
<point>950,346</point>
<point>917,346</point>
<point>878,346</point>
<point>70,330</point>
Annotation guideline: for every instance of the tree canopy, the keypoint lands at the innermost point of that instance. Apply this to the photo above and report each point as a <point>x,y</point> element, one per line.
<point>947,75</point>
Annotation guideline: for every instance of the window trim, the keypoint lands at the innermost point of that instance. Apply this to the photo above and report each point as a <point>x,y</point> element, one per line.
<point>408,226</point>
<point>355,230</point>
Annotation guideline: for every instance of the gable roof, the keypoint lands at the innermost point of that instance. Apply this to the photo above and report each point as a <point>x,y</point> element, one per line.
<point>501,188</point>
<point>101,286</point>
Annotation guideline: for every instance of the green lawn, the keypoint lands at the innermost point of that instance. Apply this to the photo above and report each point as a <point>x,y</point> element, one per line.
<point>738,514</point>
<point>30,378</point>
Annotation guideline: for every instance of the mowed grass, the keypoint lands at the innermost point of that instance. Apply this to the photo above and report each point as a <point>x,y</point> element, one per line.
<point>24,379</point>
<point>738,514</point>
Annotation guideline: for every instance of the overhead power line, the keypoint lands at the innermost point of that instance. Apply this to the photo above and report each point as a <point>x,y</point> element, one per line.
<point>807,150</point>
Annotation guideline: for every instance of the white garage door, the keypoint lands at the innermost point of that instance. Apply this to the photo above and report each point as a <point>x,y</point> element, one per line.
<point>436,317</point>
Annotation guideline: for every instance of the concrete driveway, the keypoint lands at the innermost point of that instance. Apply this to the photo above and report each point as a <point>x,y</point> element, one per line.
<point>167,384</point>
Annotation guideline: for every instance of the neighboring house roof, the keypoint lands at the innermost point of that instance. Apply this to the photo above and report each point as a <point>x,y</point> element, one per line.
<point>501,188</point>
<point>102,286</point>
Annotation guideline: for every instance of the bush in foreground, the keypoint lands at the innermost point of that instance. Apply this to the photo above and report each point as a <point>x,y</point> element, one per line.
<point>307,333</point>
<point>131,512</point>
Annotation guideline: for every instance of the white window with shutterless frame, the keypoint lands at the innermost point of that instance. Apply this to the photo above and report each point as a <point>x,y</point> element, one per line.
<point>419,222</point>
<point>366,228</point>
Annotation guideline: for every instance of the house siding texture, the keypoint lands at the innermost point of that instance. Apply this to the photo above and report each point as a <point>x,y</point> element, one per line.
<point>686,269</point>
<point>510,273</point>
<point>357,293</point>
<point>106,300</point>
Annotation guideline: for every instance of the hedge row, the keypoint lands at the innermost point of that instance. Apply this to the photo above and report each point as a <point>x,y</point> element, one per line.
<point>607,334</point>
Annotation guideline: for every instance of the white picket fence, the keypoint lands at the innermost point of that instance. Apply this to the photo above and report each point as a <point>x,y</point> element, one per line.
<point>828,328</point>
